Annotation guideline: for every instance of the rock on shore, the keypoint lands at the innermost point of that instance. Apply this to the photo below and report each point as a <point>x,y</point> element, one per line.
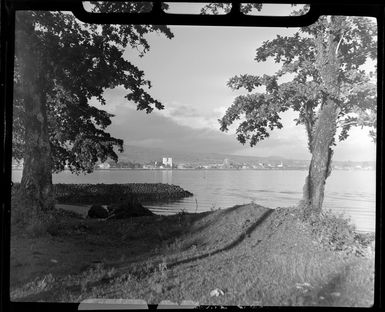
<point>127,209</point>
<point>97,211</point>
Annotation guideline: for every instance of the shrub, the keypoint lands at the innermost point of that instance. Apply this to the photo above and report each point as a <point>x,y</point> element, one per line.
<point>365,239</point>
<point>333,231</point>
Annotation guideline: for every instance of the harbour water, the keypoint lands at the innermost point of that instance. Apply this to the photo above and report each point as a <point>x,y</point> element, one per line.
<point>349,192</point>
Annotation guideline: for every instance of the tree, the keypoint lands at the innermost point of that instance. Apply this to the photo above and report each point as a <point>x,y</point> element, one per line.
<point>61,64</point>
<point>323,79</point>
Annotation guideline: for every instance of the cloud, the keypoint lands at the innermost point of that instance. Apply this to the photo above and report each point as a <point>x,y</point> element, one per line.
<point>156,130</point>
<point>185,128</point>
<point>191,116</point>
<point>288,142</point>
<point>114,98</point>
<point>160,131</point>
<point>357,147</point>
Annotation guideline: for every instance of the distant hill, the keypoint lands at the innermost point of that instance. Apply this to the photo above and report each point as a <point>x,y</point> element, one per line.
<point>148,154</point>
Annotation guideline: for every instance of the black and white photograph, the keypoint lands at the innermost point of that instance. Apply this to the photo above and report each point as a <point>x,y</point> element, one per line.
<point>193,165</point>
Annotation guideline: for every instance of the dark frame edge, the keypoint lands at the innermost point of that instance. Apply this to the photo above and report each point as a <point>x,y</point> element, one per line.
<point>6,88</point>
<point>379,243</point>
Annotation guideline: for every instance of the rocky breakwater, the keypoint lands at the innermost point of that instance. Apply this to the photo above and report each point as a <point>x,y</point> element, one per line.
<point>115,200</point>
<point>106,194</point>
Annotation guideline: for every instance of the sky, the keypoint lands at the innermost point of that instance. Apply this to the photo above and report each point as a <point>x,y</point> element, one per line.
<point>189,74</point>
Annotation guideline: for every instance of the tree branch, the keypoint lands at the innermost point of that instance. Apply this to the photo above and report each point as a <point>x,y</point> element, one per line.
<point>338,45</point>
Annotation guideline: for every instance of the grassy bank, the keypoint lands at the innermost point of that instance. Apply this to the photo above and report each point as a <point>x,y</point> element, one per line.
<point>254,255</point>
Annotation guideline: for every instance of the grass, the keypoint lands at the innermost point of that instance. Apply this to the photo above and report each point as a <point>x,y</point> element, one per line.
<point>256,256</point>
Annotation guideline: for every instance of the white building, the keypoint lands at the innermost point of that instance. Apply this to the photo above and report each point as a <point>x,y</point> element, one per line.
<point>167,161</point>
<point>104,166</point>
<point>226,163</point>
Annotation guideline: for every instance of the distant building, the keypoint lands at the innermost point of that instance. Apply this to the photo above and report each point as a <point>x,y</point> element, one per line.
<point>226,163</point>
<point>104,166</point>
<point>167,162</point>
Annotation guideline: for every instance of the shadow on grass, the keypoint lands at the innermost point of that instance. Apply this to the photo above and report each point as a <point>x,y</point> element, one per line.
<point>327,291</point>
<point>232,245</point>
<point>221,213</point>
<point>48,294</point>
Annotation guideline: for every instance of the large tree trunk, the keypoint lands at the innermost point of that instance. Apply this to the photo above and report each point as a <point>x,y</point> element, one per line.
<point>36,183</point>
<point>324,129</point>
<point>320,165</point>
<point>36,190</point>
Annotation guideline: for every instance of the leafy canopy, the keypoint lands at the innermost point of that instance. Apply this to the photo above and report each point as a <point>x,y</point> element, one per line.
<point>78,62</point>
<point>300,83</point>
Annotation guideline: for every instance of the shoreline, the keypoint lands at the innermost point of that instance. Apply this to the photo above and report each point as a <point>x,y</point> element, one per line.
<point>149,194</point>
<point>83,209</point>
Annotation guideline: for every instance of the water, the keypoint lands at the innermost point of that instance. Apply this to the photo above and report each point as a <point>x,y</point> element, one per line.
<point>349,192</point>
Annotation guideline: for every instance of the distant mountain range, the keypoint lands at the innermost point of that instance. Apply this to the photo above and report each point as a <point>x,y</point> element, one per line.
<point>146,154</point>
<point>143,155</point>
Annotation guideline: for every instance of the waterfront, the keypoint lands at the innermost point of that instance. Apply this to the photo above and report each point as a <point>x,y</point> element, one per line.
<point>348,192</point>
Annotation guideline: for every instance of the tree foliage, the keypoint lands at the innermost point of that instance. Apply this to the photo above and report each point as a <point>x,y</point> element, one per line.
<point>78,62</point>
<point>301,85</point>
<point>218,8</point>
